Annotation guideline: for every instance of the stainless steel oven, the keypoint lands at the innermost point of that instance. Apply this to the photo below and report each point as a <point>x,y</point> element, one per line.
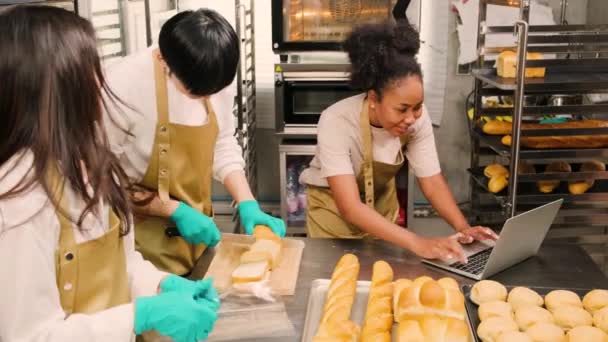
<point>321,25</point>
<point>303,91</point>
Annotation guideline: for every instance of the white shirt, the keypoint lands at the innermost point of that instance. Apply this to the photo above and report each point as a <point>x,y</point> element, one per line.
<point>30,308</point>
<point>339,146</point>
<point>132,79</point>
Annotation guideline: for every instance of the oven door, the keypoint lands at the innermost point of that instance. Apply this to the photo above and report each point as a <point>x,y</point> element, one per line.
<point>300,103</point>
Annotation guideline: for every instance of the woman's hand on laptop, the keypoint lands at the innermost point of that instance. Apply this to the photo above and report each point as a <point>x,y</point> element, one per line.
<point>470,234</point>
<point>442,248</point>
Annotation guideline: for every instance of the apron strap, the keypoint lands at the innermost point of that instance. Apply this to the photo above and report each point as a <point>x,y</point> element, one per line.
<point>368,159</point>
<point>163,134</point>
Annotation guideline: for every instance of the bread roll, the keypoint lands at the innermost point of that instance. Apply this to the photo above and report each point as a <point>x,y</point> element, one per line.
<point>524,168</point>
<point>557,298</point>
<point>527,316</point>
<point>495,170</point>
<point>600,319</point>
<point>495,309</point>
<point>506,65</point>
<point>522,296</point>
<point>497,183</point>
<point>569,317</point>
<point>433,329</point>
<point>495,127</point>
<point>340,296</point>
<point>580,187</point>
<point>489,329</point>
<point>488,291</point>
<point>398,287</point>
<point>513,336</point>
<point>546,332</point>
<point>586,334</point>
<point>595,300</point>
<point>378,320</point>
<point>549,185</point>
<point>428,297</point>
<point>338,331</point>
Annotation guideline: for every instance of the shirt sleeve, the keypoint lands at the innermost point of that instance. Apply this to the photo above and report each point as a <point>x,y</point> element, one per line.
<point>31,309</point>
<point>333,143</point>
<point>144,277</point>
<point>227,156</point>
<point>421,151</point>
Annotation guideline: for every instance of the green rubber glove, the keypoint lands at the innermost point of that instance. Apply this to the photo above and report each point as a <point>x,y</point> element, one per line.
<point>176,315</point>
<point>194,226</point>
<point>203,290</point>
<point>251,216</point>
<point>553,120</point>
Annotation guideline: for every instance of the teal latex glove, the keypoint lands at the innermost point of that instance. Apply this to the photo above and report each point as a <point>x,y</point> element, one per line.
<point>251,216</point>
<point>176,315</point>
<point>553,120</point>
<point>203,290</point>
<point>194,226</point>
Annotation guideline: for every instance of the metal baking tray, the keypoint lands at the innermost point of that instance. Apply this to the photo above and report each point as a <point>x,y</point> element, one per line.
<point>471,308</point>
<point>316,301</point>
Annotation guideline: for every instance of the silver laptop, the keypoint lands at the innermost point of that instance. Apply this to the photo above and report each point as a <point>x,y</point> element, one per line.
<point>520,238</point>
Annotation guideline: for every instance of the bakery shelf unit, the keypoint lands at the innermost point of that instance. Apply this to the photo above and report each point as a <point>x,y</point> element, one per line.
<point>574,57</point>
<point>70,5</point>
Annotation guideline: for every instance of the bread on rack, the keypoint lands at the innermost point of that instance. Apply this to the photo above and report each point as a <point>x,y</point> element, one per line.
<point>262,256</point>
<point>378,320</point>
<point>433,329</point>
<point>427,297</point>
<point>506,65</point>
<point>497,183</point>
<point>549,185</point>
<point>495,127</point>
<point>339,300</point>
<point>494,170</point>
<point>580,187</point>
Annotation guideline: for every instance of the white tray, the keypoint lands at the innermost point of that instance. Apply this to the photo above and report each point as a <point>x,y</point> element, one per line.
<point>316,301</point>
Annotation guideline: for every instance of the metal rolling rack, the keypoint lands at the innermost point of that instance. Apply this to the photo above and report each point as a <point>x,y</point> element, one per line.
<point>245,104</point>
<point>578,68</point>
<point>111,32</point>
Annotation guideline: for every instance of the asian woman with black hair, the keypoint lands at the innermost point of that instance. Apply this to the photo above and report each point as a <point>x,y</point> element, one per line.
<point>181,136</point>
<point>364,140</point>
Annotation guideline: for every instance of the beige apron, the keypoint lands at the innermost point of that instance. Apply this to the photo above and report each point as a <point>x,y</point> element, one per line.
<point>323,219</point>
<point>180,167</point>
<point>91,276</point>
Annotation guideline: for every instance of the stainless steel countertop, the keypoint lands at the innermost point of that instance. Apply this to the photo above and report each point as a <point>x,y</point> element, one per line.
<point>557,265</point>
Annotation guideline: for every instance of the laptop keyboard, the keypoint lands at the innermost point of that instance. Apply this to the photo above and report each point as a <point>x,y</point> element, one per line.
<point>477,262</point>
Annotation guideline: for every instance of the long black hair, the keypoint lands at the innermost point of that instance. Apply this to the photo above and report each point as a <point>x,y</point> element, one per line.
<point>381,53</point>
<point>202,49</point>
<point>51,100</point>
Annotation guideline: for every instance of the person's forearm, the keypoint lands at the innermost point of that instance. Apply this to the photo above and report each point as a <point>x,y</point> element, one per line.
<point>377,225</point>
<point>436,190</point>
<point>238,187</point>
<point>155,207</point>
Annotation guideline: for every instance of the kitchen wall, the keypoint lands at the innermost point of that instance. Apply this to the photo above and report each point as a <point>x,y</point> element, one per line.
<point>597,12</point>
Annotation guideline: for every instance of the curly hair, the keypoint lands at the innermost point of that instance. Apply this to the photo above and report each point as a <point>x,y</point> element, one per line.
<point>382,53</point>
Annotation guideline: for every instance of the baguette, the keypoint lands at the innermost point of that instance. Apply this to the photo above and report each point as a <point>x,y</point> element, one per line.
<point>378,320</point>
<point>495,127</point>
<point>550,185</point>
<point>340,298</point>
<point>580,187</point>
<point>565,141</point>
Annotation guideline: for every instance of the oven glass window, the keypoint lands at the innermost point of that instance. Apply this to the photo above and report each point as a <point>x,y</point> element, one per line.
<point>330,20</point>
<point>313,102</point>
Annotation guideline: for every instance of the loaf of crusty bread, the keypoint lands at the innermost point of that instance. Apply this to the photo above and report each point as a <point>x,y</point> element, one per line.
<point>580,187</point>
<point>340,296</point>
<point>493,170</point>
<point>338,331</point>
<point>506,65</point>
<point>433,329</point>
<point>378,320</point>
<point>571,141</point>
<point>549,185</point>
<point>428,297</point>
<point>262,256</point>
<point>495,127</point>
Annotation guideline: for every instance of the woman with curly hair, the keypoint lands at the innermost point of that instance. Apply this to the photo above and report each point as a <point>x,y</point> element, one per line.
<point>364,140</point>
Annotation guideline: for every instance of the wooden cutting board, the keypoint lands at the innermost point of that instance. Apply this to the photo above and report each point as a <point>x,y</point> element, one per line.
<point>283,278</point>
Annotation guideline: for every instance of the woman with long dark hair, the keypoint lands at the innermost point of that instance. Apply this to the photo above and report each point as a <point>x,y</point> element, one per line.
<point>364,140</point>
<point>69,269</point>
